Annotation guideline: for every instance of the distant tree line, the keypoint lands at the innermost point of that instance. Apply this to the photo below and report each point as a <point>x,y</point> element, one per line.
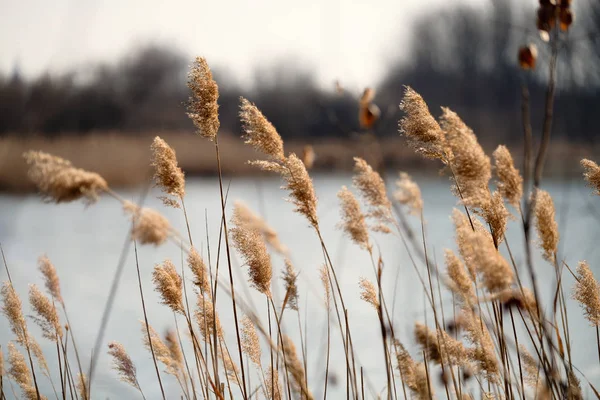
<point>461,57</point>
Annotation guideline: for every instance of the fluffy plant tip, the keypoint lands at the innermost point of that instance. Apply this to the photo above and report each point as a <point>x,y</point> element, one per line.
<point>167,174</point>
<point>202,106</point>
<point>59,181</point>
<point>591,174</point>
<point>259,132</point>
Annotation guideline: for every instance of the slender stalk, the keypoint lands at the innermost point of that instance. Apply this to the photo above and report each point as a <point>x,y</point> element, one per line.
<point>228,252</point>
<point>137,265</point>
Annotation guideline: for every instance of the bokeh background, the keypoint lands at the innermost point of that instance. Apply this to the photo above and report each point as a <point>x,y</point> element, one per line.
<point>95,82</point>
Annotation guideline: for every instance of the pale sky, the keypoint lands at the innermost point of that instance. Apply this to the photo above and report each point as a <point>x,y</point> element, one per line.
<point>352,41</point>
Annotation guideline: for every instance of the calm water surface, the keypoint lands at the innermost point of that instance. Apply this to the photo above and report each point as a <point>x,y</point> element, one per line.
<point>85,244</point>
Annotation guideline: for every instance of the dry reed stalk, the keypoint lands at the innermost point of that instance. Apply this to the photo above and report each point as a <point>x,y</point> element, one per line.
<point>123,364</point>
<point>202,106</point>
<point>521,298</point>
<point>82,384</point>
<point>207,319</point>
<point>164,353</point>
<point>413,374</point>
<point>273,386</point>
<point>252,219</point>
<point>259,132</point>
<point>408,193</point>
<point>167,174</point>
<point>231,369</point>
<point>420,127</point>
<point>47,316</point>
<point>198,267</point>
<point>168,284</point>
<point>509,180</point>
<point>587,292</point>
<point>591,174</point>
<point>148,225</point>
<point>372,189</point>
<point>546,226</point>
<point>295,368</point>
<point>21,374</point>
<point>353,219</point>
<point>59,181</point>
<point>249,242</point>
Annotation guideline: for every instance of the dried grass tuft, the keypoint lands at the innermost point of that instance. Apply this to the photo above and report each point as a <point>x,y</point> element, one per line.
<point>202,106</point>
<point>149,226</point>
<point>546,226</point>
<point>167,174</point>
<point>587,293</point>
<point>168,284</point>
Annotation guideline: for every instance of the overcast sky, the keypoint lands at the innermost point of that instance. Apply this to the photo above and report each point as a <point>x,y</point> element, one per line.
<point>350,40</point>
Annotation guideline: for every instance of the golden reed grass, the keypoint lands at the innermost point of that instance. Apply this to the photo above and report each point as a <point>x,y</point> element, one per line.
<point>489,326</point>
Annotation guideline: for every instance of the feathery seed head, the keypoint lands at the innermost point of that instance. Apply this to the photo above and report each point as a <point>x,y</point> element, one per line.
<point>591,174</point>
<point>368,292</point>
<point>408,193</point>
<point>460,281</point>
<point>353,219</point>
<point>510,182</point>
<point>495,214</point>
<point>249,242</point>
<point>372,188</point>
<point>587,293</point>
<point>496,273</point>
<point>413,374</point>
<point>546,226</point>
<point>290,276</point>
<point>165,354</point>
<point>274,389</point>
<point>483,353</point>
<point>295,367</point>
<point>325,281</point>
<point>198,267</point>
<point>421,129</point>
<point>123,364</point>
<point>308,156</point>
<point>259,132</point>
<point>13,311</point>
<point>47,316</point>
<point>59,181</point>
<point>252,219</point>
<point>20,373</point>
<point>169,285</point>
<point>466,247</point>
<point>231,368</point>
<point>51,280</point>
<point>207,318</point>
<point>523,299</point>
<point>167,173</point>
<point>439,346</point>
<point>202,107</point>
<point>82,386</point>
<point>174,349</point>
<point>250,342</point>
<point>149,226</point>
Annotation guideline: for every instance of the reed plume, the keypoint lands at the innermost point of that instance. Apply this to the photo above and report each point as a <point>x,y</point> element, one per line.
<point>47,316</point>
<point>167,174</point>
<point>250,342</point>
<point>206,318</point>
<point>510,182</point>
<point>439,346</point>
<point>372,189</point>
<point>13,311</point>
<point>259,132</point>
<point>167,355</point>
<point>176,355</point>
<point>308,156</point>
<point>495,214</point>
<point>463,231</point>
<point>202,106</point>
<point>470,165</point>
<point>250,218</point>
<point>273,386</point>
<point>591,174</point>
<point>530,366</point>
<point>413,374</point>
<point>408,193</point>
<point>323,275</point>
<point>587,292</point>
<point>290,277</point>
<point>198,267</point>
<point>422,131</point>
<point>82,385</point>
<point>51,280</point>
<point>148,225</point>
<point>60,182</point>
<point>368,292</point>
<point>231,369</point>
<point>168,284</point>
<point>295,368</point>
<point>545,223</point>
<point>249,242</point>
<point>123,364</point>
<point>460,282</point>
<point>20,373</point>
<point>495,271</point>
<point>483,352</point>
<point>522,298</point>
<point>353,219</point>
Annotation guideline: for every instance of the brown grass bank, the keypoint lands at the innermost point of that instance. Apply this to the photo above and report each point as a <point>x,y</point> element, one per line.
<point>123,159</point>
